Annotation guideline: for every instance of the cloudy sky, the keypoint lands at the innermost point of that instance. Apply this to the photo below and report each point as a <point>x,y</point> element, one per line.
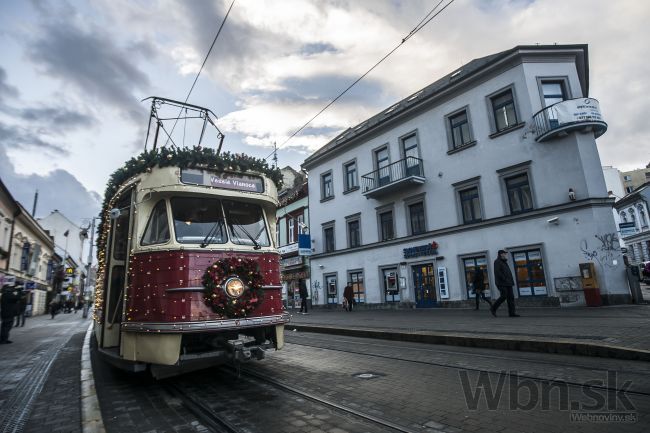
<point>73,73</point>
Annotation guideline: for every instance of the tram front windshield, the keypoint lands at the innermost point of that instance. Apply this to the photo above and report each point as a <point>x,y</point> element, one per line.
<point>246,223</point>
<point>201,220</point>
<point>198,220</point>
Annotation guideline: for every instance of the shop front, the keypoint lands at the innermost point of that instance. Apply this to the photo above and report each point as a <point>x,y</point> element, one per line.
<point>292,270</point>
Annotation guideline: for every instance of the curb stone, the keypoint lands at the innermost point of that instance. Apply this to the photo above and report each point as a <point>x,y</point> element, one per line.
<point>557,346</point>
<point>91,416</point>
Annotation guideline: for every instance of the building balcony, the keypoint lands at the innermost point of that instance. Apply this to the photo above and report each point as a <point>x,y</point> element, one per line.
<point>407,171</point>
<point>558,120</point>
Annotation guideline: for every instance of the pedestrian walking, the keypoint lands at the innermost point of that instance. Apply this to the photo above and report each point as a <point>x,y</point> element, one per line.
<point>8,310</point>
<point>22,307</point>
<point>348,295</point>
<point>302,290</point>
<point>504,282</point>
<point>479,287</point>
<point>54,307</point>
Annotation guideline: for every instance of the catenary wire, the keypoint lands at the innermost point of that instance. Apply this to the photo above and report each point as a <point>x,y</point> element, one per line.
<point>416,29</point>
<point>200,69</point>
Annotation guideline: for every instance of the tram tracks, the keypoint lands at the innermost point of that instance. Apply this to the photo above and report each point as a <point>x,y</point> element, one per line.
<point>512,373</point>
<point>220,421</point>
<point>210,418</point>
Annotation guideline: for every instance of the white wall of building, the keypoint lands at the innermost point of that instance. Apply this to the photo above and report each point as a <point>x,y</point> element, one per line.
<point>585,228</point>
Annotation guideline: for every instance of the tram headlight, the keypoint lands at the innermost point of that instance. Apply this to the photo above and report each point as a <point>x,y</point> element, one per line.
<point>234,287</point>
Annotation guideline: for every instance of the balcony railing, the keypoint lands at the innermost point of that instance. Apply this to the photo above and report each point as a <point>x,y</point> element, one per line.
<point>386,179</point>
<point>558,120</point>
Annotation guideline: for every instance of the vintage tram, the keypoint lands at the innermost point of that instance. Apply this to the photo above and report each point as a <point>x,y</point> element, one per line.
<point>188,275</point>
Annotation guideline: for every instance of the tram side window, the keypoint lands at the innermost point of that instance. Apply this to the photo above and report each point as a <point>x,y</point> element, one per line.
<point>246,223</point>
<point>122,228</point>
<point>198,220</point>
<point>157,231</point>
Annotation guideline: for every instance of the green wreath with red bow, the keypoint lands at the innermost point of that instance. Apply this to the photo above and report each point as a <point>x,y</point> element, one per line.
<point>214,280</point>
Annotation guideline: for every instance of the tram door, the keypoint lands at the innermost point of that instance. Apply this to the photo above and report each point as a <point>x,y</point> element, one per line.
<point>116,258</point>
<point>424,282</point>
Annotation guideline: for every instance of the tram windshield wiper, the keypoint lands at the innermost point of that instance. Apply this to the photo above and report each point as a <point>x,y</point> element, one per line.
<point>256,245</point>
<point>211,233</point>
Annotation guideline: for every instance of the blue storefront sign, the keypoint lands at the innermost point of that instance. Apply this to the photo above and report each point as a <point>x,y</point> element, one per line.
<point>421,250</point>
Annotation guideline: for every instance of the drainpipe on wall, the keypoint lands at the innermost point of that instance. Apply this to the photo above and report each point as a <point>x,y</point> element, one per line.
<point>11,238</point>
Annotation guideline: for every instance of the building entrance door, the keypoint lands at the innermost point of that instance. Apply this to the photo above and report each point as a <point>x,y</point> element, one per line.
<point>424,282</point>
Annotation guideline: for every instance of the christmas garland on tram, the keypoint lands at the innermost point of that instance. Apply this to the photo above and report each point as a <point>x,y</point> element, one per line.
<point>196,157</point>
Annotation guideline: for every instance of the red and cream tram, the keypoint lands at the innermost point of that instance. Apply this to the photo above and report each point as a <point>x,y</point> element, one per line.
<point>188,275</point>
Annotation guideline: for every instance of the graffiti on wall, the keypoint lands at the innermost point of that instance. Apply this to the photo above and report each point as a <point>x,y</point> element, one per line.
<point>604,251</point>
<point>315,291</point>
<point>568,284</point>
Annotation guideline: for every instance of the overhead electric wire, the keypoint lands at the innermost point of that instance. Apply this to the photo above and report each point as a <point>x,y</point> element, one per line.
<point>416,29</point>
<point>200,70</point>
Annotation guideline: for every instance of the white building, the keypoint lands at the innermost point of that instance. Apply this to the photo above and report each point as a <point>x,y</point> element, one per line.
<point>26,252</point>
<point>614,182</point>
<point>292,222</point>
<point>500,153</point>
<point>69,241</point>
<point>633,211</point>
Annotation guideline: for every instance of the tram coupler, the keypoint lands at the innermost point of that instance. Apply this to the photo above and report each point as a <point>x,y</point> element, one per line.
<point>239,350</point>
<point>258,352</point>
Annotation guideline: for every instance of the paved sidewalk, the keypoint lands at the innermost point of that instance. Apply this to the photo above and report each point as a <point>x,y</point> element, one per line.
<point>40,375</point>
<point>617,332</point>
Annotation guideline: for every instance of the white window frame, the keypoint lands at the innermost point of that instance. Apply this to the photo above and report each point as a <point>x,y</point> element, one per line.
<point>291,223</point>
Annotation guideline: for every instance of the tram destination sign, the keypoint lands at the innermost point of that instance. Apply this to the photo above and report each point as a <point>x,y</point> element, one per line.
<point>238,182</point>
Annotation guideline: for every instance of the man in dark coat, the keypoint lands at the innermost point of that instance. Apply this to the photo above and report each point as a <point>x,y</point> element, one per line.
<point>302,289</point>
<point>504,282</point>
<point>348,294</point>
<point>22,307</point>
<point>8,310</point>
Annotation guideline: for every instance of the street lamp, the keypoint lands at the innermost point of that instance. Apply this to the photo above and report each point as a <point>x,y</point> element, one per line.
<point>90,262</point>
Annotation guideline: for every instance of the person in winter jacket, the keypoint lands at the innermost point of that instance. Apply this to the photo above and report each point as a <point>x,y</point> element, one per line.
<point>8,310</point>
<point>504,282</point>
<point>348,294</point>
<point>479,287</point>
<point>302,290</point>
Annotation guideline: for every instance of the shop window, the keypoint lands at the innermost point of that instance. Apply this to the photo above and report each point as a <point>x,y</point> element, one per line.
<point>529,273</point>
<point>355,278</point>
<point>470,265</point>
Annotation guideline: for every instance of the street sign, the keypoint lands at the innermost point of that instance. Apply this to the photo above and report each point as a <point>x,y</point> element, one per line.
<point>304,244</point>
